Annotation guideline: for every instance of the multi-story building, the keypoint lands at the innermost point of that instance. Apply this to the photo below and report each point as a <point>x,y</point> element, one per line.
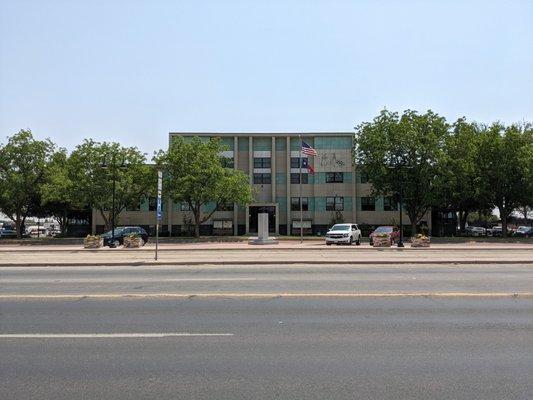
<point>271,160</point>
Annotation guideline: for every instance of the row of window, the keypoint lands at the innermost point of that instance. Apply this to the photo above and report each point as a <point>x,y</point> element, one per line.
<point>266,178</point>
<point>332,204</point>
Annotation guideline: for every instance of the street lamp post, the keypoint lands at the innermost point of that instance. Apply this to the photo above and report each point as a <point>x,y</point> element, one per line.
<point>400,242</point>
<point>114,167</point>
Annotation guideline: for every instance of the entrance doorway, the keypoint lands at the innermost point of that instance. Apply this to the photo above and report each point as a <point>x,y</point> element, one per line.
<point>253,217</point>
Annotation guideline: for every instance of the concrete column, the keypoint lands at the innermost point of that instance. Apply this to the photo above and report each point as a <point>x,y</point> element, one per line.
<point>273,168</point>
<point>288,185</point>
<point>169,214</point>
<point>354,197</point>
<point>251,159</point>
<point>235,162</point>
<point>251,177</point>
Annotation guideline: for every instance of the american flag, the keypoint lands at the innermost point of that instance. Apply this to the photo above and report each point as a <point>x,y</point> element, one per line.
<point>308,150</point>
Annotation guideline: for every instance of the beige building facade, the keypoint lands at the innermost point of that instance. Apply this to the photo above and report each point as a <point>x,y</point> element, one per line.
<point>335,191</point>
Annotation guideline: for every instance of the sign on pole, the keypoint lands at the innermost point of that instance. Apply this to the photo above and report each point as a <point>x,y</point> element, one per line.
<point>159,214</point>
<point>159,190</point>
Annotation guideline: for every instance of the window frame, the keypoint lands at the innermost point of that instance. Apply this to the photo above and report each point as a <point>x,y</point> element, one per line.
<point>296,180</point>
<point>334,177</point>
<point>335,203</point>
<point>262,178</point>
<point>295,204</point>
<point>370,206</point>
<point>262,162</point>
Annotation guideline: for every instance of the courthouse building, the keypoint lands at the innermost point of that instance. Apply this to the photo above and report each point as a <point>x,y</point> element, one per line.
<point>271,160</point>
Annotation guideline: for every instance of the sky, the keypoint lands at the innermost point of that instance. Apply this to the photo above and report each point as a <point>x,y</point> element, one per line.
<point>131,71</point>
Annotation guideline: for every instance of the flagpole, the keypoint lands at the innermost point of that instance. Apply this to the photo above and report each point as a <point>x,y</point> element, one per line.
<point>301,208</point>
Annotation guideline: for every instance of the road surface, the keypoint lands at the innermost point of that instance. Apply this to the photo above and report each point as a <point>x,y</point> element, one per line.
<point>461,344</point>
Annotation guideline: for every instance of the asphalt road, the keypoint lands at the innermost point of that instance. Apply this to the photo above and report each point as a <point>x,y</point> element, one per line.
<point>264,332</point>
<point>244,280</point>
<point>276,348</point>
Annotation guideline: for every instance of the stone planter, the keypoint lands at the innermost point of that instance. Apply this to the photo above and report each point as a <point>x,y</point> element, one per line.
<point>379,241</point>
<point>420,241</point>
<point>133,241</point>
<point>93,242</point>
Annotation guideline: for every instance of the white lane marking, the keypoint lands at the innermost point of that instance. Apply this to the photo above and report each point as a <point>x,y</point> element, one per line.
<point>125,280</point>
<point>104,335</point>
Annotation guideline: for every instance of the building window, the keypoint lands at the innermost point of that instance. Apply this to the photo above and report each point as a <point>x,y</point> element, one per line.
<point>364,178</point>
<point>227,162</point>
<point>334,177</point>
<point>295,204</point>
<point>334,203</point>
<point>184,206</point>
<point>390,204</point>
<point>261,162</point>
<point>152,204</point>
<point>368,204</point>
<point>262,179</point>
<point>225,207</point>
<point>295,178</point>
<point>295,164</point>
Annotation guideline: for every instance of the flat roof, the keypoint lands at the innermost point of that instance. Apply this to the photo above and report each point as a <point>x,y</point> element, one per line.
<point>259,134</point>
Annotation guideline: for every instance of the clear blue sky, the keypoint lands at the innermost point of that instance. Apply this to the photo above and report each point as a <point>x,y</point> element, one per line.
<point>132,71</point>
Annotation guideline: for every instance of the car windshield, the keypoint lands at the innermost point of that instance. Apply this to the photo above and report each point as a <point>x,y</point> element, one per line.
<point>384,229</point>
<point>118,231</point>
<point>340,228</point>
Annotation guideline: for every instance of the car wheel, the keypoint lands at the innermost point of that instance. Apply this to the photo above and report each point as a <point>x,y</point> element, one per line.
<point>358,242</point>
<point>116,243</point>
<point>328,244</point>
<point>351,240</point>
<point>142,242</point>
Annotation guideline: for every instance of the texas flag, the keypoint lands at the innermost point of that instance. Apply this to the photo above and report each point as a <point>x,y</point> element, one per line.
<point>305,164</point>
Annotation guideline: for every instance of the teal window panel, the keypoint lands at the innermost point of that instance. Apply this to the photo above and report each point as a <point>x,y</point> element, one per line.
<point>358,203</point>
<point>243,144</point>
<point>333,142</point>
<point>281,178</point>
<point>228,142</point>
<point>208,207</point>
<point>282,203</point>
<point>320,177</point>
<point>311,179</point>
<point>311,203</point>
<point>348,177</point>
<point>295,143</point>
<point>379,203</point>
<point>320,204</point>
<point>348,204</point>
<point>281,144</point>
<point>262,144</point>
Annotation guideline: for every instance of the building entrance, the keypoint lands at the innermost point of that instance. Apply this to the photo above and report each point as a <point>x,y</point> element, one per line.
<point>255,210</point>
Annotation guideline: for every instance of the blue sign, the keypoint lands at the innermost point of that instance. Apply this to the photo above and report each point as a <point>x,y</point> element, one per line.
<point>159,213</point>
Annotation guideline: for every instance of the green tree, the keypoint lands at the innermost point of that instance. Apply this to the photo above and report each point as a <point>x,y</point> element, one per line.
<point>23,164</point>
<point>505,163</point>
<point>58,196</point>
<point>89,178</point>
<point>458,181</point>
<point>402,152</point>
<point>195,173</point>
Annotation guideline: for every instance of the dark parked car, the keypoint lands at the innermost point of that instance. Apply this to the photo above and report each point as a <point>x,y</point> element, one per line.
<point>524,231</point>
<point>392,231</point>
<point>8,233</point>
<point>122,232</point>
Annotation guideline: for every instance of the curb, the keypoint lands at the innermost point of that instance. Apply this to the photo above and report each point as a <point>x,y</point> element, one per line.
<point>268,262</point>
<point>340,248</point>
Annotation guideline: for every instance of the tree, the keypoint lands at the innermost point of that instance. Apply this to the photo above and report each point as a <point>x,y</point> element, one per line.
<point>195,173</point>
<point>23,164</point>
<point>91,168</point>
<point>58,196</point>
<point>402,152</point>
<point>506,163</point>
<point>458,180</point>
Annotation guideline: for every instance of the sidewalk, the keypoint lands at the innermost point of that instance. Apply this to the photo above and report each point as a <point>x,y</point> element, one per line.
<point>244,254</point>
